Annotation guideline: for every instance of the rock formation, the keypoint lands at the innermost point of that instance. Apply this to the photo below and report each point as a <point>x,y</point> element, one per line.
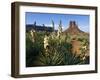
<point>73,28</point>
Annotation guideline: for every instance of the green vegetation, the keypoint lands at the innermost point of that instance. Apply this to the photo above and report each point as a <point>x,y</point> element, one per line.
<point>58,50</point>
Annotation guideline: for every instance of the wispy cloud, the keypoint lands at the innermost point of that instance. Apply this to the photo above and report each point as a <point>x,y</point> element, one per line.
<point>56,26</point>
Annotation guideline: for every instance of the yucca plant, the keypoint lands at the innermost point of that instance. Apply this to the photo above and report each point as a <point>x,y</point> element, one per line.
<point>52,59</point>
<point>58,53</point>
<point>33,48</point>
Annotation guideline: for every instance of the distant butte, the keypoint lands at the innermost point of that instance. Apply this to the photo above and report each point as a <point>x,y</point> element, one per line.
<point>73,29</point>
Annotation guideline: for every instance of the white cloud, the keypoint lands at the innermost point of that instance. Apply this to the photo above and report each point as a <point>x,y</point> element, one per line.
<point>56,26</point>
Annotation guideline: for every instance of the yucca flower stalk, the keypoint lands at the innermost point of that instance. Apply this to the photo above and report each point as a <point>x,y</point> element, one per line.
<point>53,25</point>
<point>33,34</point>
<point>46,44</point>
<point>59,29</point>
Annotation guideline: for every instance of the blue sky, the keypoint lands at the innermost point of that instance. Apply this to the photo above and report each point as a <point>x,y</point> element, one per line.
<point>46,18</point>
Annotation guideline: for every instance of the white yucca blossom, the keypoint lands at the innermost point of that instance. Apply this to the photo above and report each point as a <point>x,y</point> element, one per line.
<point>46,42</point>
<point>84,58</point>
<point>84,47</point>
<point>32,32</point>
<point>53,35</point>
<point>58,34</point>
<point>59,31</point>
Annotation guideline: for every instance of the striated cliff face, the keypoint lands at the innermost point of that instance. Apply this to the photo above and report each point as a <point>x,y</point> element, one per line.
<point>73,28</point>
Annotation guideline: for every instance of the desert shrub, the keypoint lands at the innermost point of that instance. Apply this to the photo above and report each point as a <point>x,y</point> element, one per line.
<point>58,53</point>
<point>54,58</point>
<point>33,49</point>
